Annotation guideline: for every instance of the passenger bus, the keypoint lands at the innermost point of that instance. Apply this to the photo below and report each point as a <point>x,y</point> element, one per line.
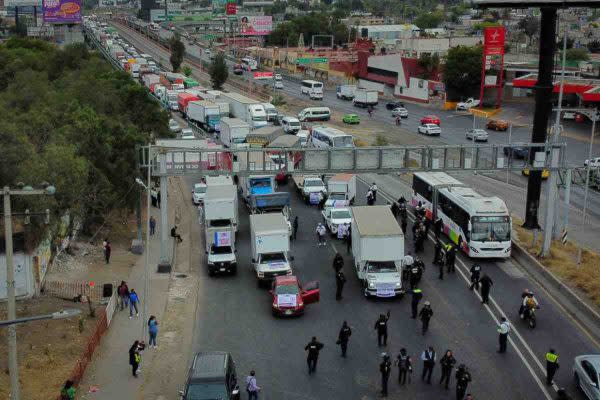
<point>480,226</point>
<point>308,87</point>
<point>324,137</point>
<point>250,64</point>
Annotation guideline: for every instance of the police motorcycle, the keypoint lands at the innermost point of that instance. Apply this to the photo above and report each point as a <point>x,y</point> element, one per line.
<point>415,272</point>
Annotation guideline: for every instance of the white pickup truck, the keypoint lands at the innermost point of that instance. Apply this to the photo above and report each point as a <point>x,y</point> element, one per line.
<point>310,184</point>
<point>466,105</point>
<point>335,217</point>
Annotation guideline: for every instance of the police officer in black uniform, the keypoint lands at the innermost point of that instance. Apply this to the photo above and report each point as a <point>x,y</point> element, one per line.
<point>313,347</point>
<point>338,262</point>
<point>385,368</point>
<point>475,276</point>
<point>416,272</point>
<point>463,377</point>
<point>425,315</point>
<point>417,295</point>
<point>344,337</point>
<point>340,280</point>
<point>381,327</point>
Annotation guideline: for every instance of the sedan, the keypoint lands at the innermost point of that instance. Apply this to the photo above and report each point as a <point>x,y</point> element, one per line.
<point>477,135</point>
<point>586,371</point>
<point>351,119</point>
<point>394,104</point>
<point>497,125</point>
<point>430,129</point>
<point>174,126</point>
<point>400,112</point>
<point>288,298</point>
<point>187,133</point>
<point>430,119</point>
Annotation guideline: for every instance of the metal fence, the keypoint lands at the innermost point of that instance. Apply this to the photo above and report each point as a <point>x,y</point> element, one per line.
<point>71,290</point>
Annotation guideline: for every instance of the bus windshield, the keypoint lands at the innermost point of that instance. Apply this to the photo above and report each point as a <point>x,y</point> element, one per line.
<point>490,229</point>
<point>343,141</point>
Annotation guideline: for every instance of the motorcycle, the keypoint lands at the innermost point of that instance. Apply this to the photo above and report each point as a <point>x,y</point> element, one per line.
<point>528,316</point>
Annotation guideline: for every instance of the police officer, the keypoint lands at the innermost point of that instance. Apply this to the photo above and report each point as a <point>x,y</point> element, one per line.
<point>425,315</point>
<point>503,330</point>
<point>340,279</point>
<point>420,238</point>
<point>344,337</point>
<point>338,262</point>
<point>404,363</point>
<point>551,365</point>
<point>437,226</point>
<point>463,377</point>
<point>313,347</point>
<point>486,283</point>
<point>415,272</point>
<point>426,225</point>
<point>417,295</point>
<point>381,327</point>
<point>437,255</point>
<point>450,257</point>
<point>385,368</point>
<point>475,275</point>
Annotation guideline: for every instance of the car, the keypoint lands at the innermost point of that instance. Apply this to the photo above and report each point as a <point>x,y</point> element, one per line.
<point>545,173</point>
<point>430,129</point>
<point>430,119</point>
<point>211,376</point>
<point>174,126</point>
<point>497,125</point>
<point>288,298</point>
<point>517,152</point>
<point>477,135</point>
<point>586,372</point>
<point>187,133</point>
<point>198,193</point>
<point>351,119</point>
<point>467,105</point>
<point>569,115</point>
<point>394,104</point>
<point>594,163</point>
<point>238,69</point>
<point>400,112</point>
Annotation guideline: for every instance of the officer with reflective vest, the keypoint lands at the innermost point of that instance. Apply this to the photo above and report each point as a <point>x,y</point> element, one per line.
<point>551,365</point>
<point>417,295</point>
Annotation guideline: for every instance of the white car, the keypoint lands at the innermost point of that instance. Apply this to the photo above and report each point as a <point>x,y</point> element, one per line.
<point>594,163</point>
<point>466,105</point>
<point>400,112</point>
<point>174,126</point>
<point>586,371</point>
<point>315,96</point>
<point>187,133</point>
<point>429,129</point>
<point>198,193</point>
<point>477,135</point>
<point>334,217</point>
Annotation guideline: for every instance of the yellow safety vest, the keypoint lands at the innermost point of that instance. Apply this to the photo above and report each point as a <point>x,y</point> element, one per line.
<point>551,357</point>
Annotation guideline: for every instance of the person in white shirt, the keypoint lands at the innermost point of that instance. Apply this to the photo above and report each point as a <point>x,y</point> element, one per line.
<point>428,358</point>
<point>373,188</point>
<point>503,330</point>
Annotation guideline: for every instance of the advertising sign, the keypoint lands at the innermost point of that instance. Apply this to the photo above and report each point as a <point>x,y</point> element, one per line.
<point>493,59</point>
<point>256,25</point>
<point>493,40</point>
<point>222,239</point>
<point>62,11</point>
<point>263,75</point>
<point>231,8</point>
<point>22,3</point>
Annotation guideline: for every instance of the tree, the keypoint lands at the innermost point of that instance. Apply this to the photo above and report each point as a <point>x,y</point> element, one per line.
<point>177,52</point>
<point>218,71</point>
<point>430,63</point>
<point>530,26</point>
<point>187,70</point>
<point>429,20</point>
<point>462,71</point>
<point>580,54</point>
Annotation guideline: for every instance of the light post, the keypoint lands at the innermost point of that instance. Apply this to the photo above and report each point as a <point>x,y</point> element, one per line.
<point>62,314</point>
<point>13,367</point>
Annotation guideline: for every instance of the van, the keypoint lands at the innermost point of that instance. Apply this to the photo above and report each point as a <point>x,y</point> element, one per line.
<point>315,114</point>
<point>290,125</point>
<point>211,376</point>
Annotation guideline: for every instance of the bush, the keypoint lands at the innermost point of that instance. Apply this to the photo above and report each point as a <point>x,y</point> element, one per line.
<point>381,140</point>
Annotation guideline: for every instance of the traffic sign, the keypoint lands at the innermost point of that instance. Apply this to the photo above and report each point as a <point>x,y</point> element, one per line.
<point>319,60</point>
<point>303,60</point>
<point>307,60</point>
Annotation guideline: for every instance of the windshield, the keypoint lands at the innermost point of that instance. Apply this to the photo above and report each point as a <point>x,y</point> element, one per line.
<point>343,141</point>
<point>381,266</point>
<point>207,391</point>
<point>261,183</point>
<point>259,118</point>
<point>273,257</point>
<point>200,189</point>
<point>313,183</point>
<point>337,196</point>
<point>219,223</point>
<point>294,124</point>
<point>287,289</point>
<point>341,214</point>
<point>490,229</point>
<point>220,249</point>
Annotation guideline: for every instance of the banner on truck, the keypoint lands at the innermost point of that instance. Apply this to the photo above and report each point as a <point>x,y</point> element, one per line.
<point>62,11</point>
<point>256,25</point>
<point>263,75</point>
<point>222,239</point>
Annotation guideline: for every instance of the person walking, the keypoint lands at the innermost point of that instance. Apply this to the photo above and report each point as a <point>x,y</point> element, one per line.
<point>381,328</point>
<point>123,292</point>
<point>107,251</point>
<point>152,331</point>
<point>348,240</point>
<point>344,337</point>
<point>503,330</point>
<point>295,228</point>
<point>425,315</point>
<point>551,366</point>
<point>133,303</point>
<point>321,231</point>
<point>373,188</point>
<point>176,235</point>
<point>463,377</point>
<point>404,363</point>
<point>437,252</point>
<point>152,225</point>
<point>417,295</point>
<point>403,223</point>
<point>340,280</point>
<point>438,226</point>
<point>428,358</point>
<point>313,348</point>
<point>385,368</point>
<point>450,257</point>
<point>486,284</point>
<point>475,276</point>
<point>370,198</point>
<point>134,358</point>
<point>68,391</point>
<point>251,387</point>
<point>338,262</point>
<point>447,363</point>
<point>153,197</point>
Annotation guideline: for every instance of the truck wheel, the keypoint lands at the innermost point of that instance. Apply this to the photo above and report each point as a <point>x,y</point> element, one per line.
<point>234,271</point>
<point>211,272</point>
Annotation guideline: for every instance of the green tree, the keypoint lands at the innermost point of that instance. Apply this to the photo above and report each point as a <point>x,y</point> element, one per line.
<point>218,71</point>
<point>530,26</point>
<point>177,52</point>
<point>462,71</point>
<point>429,20</point>
<point>580,54</point>
<point>431,64</point>
<point>187,70</point>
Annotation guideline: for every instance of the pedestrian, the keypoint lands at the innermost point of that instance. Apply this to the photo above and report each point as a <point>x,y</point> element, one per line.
<point>321,231</point>
<point>133,303</point>
<point>415,228</point>
<point>348,240</point>
<point>344,337</point>
<point>428,358</point>
<point>417,295</point>
<point>381,327</point>
<point>176,235</point>
<point>404,363</point>
<point>135,358</point>
<point>427,225</point>
<point>340,280</point>
<point>341,231</point>
<point>295,228</point>
<point>463,377</point>
<point>123,292</point>
<point>486,283</point>
<point>373,188</point>
<point>153,197</point>
<point>475,276</point>
<point>338,262</point>
<point>370,198</point>
<point>551,366</point>
<point>158,199</point>
<point>561,394</point>
<point>68,391</point>
<point>425,314</point>
<point>403,223</point>
<point>450,257</point>
<point>251,387</point>
<point>385,368</point>
<point>313,348</point>
<point>107,251</point>
<point>395,209</point>
<point>152,331</point>
<point>322,201</point>
<point>408,263</point>
<point>447,363</point>
<point>437,254</point>
<point>438,226</point>
<point>152,225</point>
<point>503,330</point>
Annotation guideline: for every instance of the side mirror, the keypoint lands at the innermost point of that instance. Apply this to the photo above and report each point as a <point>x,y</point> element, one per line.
<point>254,260</point>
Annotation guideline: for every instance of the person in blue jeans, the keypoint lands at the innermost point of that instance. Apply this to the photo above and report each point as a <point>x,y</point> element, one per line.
<point>153,331</point>
<point>133,302</point>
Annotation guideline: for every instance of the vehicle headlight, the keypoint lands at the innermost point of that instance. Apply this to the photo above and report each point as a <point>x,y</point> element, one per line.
<point>371,285</point>
<point>275,306</point>
<point>301,304</point>
<point>397,284</point>
<point>261,274</point>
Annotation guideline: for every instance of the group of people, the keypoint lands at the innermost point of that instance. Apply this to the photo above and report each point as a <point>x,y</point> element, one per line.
<point>128,297</point>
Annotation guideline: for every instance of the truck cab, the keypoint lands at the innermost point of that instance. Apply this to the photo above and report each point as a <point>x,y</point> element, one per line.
<point>336,217</point>
<point>310,185</point>
<point>256,185</point>
<point>271,111</point>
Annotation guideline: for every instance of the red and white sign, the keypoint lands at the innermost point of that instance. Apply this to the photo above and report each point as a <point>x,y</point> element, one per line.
<point>231,9</point>
<point>493,40</point>
<point>263,75</point>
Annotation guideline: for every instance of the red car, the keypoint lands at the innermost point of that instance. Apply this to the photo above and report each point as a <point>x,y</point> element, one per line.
<point>289,298</point>
<point>430,119</point>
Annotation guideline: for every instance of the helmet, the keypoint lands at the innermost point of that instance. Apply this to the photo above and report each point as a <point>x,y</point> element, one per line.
<point>427,303</point>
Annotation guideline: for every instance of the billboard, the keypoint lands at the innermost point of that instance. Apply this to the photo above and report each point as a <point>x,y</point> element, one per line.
<point>263,75</point>
<point>22,3</point>
<point>256,25</point>
<point>62,11</point>
<point>493,61</point>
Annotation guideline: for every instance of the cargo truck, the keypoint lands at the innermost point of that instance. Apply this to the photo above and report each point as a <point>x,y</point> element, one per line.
<point>183,99</point>
<point>170,100</point>
<point>261,137</point>
<point>271,111</point>
<point>246,109</point>
<point>378,251</point>
<point>256,184</point>
<point>270,246</point>
<point>341,189</point>
<point>150,79</point>
<point>365,98</point>
<point>220,203</point>
<point>220,223</point>
<point>233,132</point>
<point>223,108</point>
<point>189,83</point>
<point>345,92</point>
<point>206,114</point>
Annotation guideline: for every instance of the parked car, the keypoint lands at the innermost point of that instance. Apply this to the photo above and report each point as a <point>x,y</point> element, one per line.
<point>351,119</point>
<point>497,125</point>
<point>211,376</point>
<point>468,104</point>
<point>594,163</point>
<point>477,135</point>
<point>545,173</point>
<point>400,112</point>
<point>586,371</point>
<point>289,298</point>
<point>187,133</point>
<point>174,126</point>
<point>394,104</point>
<point>516,152</point>
<point>430,129</point>
<point>430,119</point>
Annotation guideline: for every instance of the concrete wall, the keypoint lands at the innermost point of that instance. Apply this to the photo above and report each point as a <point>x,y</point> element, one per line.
<point>417,90</point>
<point>391,62</point>
<point>24,276</point>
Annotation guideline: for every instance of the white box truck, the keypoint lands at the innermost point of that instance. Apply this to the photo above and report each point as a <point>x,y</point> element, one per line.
<point>378,250</point>
<point>270,246</point>
<point>221,204</point>
<point>220,249</point>
<point>345,92</point>
<point>205,113</point>
<point>246,109</point>
<point>271,111</point>
<point>341,189</point>
<point>233,131</point>
<point>365,98</point>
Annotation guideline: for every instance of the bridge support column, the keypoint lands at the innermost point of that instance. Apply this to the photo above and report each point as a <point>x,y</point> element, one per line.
<point>164,265</point>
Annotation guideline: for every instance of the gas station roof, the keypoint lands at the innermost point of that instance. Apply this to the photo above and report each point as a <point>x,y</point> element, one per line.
<point>536,3</point>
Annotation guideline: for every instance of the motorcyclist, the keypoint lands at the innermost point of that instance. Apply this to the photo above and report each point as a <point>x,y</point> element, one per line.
<point>416,272</point>
<point>529,303</point>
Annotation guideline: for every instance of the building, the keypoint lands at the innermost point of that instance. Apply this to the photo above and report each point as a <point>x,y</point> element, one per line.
<point>388,33</point>
<point>415,46</point>
<point>146,8</point>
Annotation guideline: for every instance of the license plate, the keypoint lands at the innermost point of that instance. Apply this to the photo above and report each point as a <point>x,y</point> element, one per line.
<point>222,269</point>
<point>288,312</point>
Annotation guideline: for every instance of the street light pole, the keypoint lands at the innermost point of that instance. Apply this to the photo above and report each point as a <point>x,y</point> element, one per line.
<point>587,185</point>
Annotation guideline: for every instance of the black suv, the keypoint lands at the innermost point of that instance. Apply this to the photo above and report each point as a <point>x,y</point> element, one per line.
<point>212,376</point>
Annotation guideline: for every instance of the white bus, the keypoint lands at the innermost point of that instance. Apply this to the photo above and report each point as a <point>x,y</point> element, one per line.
<point>250,64</point>
<point>480,226</point>
<point>324,136</point>
<point>312,88</point>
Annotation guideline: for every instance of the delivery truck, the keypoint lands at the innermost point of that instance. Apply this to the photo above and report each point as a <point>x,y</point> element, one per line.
<point>270,246</point>
<point>206,114</point>
<point>365,98</point>
<point>221,204</point>
<point>183,99</point>
<point>233,132</point>
<point>220,224</point>
<point>378,251</point>
<point>345,92</point>
<point>246,109</point>
<point>341,189</point>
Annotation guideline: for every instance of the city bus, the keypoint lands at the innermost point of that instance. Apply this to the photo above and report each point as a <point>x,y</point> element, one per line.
<point>311,88</point>
<point>324,137</point>
<point>480,226</point>
<point>250,64</point>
